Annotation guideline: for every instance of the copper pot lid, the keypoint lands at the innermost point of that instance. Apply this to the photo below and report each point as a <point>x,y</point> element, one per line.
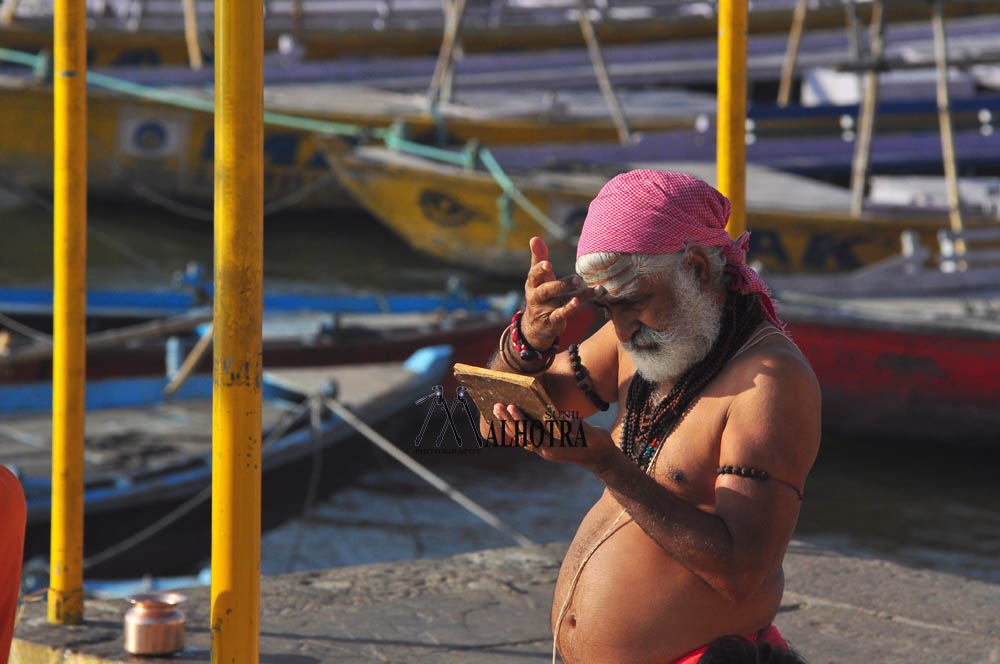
<point>156,600</point>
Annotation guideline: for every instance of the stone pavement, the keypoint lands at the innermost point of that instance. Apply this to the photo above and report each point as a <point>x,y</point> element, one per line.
<point>493,606</point>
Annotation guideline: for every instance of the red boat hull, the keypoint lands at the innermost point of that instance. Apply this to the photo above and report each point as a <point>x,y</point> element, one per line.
<point>913,384</point>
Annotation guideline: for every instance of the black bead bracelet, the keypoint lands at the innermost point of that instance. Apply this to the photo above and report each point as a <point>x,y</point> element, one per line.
<point>743,471</point>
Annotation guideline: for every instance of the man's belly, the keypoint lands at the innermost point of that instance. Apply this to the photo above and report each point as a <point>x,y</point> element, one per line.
<point>635,604</point>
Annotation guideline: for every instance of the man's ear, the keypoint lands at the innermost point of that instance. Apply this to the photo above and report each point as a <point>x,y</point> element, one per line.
<point>697,260</point>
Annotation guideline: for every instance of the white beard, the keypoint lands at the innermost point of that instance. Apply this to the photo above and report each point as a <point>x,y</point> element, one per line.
<point>684,339</point>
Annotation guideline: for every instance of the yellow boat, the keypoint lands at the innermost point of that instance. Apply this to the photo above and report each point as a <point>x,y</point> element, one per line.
<point>798,225</point>
<point>148,150</point>
<point>155,40</point>
<point>164,152</point>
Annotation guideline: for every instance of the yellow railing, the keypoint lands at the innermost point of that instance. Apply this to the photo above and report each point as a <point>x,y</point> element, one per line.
<point>236,403</point>
<point>732,111</point>
<point>69,311</point>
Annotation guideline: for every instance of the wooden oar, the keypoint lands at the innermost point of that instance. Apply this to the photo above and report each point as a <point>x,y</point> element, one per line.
<point>190,362</point>
<point>792,52</point>
<point>442,80</point>
<point>866,120</point>
<point>601,72</point>
<point>114,338</point>
<point>944,120</point>
<point>7,12</point>
<point>191,34</point>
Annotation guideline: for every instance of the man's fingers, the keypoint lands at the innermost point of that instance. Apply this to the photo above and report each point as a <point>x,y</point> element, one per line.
<point>562,314</point>
<point>539,252</point>
<point>516,413</point>
<point>508,415</point>
<point>551,289</point>
<point>539,273</point>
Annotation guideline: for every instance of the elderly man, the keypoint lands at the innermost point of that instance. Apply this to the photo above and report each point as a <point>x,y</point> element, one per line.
<point>717,426</point>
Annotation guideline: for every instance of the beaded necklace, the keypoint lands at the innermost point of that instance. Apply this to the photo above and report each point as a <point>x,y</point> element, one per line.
<point>646,426</point>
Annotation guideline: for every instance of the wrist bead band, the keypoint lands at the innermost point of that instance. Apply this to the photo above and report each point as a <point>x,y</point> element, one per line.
<point>515,364</point>
<point>524,349</point>
<point>583,378</point>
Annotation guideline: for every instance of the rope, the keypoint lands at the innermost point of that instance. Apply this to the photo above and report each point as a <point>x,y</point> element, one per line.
<point>315,473</point>
<point>27,331</point>
<point>494,169</point>
<point>391,136</point>
<point>612,529</point>
<point>506,216</point>
<point>386,446</point>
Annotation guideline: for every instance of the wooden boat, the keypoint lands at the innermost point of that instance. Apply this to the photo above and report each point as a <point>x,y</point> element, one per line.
<point>113,308</point>
<point>164,153</point>
<point>663,63</point>
<point>690,63</point>
<point>799,225</point>
<point>136,34</point>
<point>146,458</point>
<point>918,370</point>
<point>298,330</point>
<point>827,157</point>
<point>153,152</point>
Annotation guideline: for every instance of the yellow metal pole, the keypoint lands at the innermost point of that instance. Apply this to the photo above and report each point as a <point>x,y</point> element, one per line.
<point>69,310</point>
<point>236,423</point>
<point>732,112</point>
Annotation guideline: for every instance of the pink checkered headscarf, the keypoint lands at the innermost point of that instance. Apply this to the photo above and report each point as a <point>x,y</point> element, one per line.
<point>656,212</point>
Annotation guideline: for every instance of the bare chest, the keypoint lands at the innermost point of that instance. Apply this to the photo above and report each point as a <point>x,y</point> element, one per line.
<point>687,456</point>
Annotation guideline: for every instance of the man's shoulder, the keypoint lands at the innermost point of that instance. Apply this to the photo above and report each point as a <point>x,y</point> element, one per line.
<point>772,386</point>
<point>775,361</point>
<point>776,405</point>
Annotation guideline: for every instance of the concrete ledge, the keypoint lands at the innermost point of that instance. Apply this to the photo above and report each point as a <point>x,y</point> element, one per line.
<point>493,606</point>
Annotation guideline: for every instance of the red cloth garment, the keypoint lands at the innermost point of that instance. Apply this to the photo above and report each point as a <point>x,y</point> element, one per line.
<point>768,635</point>
<point>13,515</point>
<point>658,212</point>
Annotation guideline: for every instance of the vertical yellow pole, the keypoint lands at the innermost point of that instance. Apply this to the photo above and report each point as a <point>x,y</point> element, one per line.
<point>236,423</point>
<point>69,310</point>
<point>730,150</point>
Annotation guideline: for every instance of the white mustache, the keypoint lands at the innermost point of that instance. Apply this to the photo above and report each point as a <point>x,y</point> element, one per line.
<point>646,340</point>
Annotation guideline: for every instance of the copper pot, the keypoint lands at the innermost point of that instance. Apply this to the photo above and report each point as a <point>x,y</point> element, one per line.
<point>154,625</point>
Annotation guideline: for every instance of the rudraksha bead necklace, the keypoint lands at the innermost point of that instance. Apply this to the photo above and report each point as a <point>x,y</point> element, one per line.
<point>645,426</point>
<point>582,378</point>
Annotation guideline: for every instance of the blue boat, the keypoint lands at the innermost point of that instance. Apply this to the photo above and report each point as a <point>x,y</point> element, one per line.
<point>298,330</point>
<point>148,461</point>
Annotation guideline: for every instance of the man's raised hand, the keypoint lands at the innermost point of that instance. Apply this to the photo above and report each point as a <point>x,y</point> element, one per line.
<point>549,302</point>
